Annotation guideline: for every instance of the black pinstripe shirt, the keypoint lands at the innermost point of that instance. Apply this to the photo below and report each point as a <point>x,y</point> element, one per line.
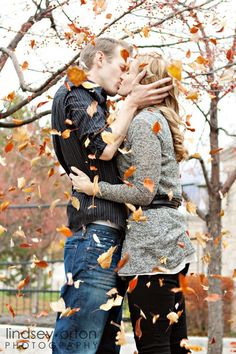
<point>82,150</point>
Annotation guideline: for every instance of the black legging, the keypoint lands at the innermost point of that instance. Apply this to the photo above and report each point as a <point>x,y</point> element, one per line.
<point>154,296</point>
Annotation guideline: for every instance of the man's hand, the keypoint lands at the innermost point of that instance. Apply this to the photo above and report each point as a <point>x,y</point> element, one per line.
<point>147,95</point>
<point>81,182</point>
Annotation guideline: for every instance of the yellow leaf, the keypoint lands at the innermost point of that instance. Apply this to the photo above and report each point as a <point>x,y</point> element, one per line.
<point>4,205</point>
<point>89,85</point>
<point>2,229</point>
<point>104,260</point>
<point>196,155</point>
<point>175,69</point>
<point>75,202</point>
<point>92,109</point>
<point>172,317</point>
<point>108,137</point>
<point>191,208</point>
<point>192,95</point>
<point>145,31</point>
<point>76,75</point>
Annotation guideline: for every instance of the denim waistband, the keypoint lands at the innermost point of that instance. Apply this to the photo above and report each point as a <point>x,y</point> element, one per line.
<point>106,228</point>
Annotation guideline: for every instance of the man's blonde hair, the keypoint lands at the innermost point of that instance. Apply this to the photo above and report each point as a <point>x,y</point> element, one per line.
<point>156,70</point>
<point>105,45</point>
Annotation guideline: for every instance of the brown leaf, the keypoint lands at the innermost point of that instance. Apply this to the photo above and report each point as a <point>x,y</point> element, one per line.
<point>10,309</point>
<point>76,75</point>
<point>40,104</point>
<point>74,28</point>
<point>32,43</point>
<point>122,262</point>
<point>4,205</point>
<point>104,260</point>
<point>215,151</point>
<point>194,30</point>
<point>51,172</point>
<point>138,331</point>
<point>10,97</point>
<point>23,283</point>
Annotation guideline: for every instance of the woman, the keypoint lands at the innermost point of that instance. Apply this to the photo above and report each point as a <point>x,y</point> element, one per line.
<point>156,239</point>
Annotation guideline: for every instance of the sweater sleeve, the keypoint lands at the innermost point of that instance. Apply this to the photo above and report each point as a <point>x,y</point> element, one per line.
<point>146,157</point>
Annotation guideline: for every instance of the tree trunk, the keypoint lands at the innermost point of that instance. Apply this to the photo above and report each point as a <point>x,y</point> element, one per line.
<point>215,309</point>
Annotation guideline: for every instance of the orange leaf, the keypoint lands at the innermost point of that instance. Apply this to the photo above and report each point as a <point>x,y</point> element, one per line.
<point>215,151</point>
<point>175,69</point>
<point>181,244</point>
<point>32,43</point>
<point>9,146</point>
<point>67,85</point>
<point>51,172</point>
<point>138,331</point>
<point>156,127</point>
<point>192,95</point>
<point>132,284</point>
<point>66,134</point>
<point>42,314</point>
<point>4,205</point>
<point>230,55</point>
<point>64,230</point>
<point>188,54</point>
<point>41,264</point>
<point>108,16</point>
<point>93,168</point>
<point>145,31</point>
<point>11,96</point>
<point>129,172</point>
<point>25,65</point>
<point>142,65</point>
<point>201,60</point>
<point>193,29</point>
<point>25,245</point>
<point>76,75</point>
<point>122,262</point>
<point>92,108</point>
<point>23,283</point>
<point>213,40</point>
<point>149,184</point>
<point>125,54</point>
<point>74,28</point>
<point>11,311</point>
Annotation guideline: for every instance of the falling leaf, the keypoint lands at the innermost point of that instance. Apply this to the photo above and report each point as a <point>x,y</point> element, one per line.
<point>40,104</point>
<point>9,146</point>
<point>145,30</point>
<point>104,260</point>
<point>161,282</point>
<point>122,262</point>
<point>230,54</point>
<point>66,134</point>
<point>149,184</point>
<point>125,54</point>
<point>93,168</point>
<point>188,54</point>
<point>196,155</point>
<point>23,283</point>
<point>192,95</point>
<point>25,65</point>
<point>32,43</point>
<point>215,151</point>
<point>23,146</point>
<point>172,317</point>
<point>108,137</point>
<point>96,239</point>
<point>163,260</point>
<point>129,172</point>
<point>51,172</point>
<point>77,283</point>
<point>4,205</point>
<point>194,29</point>
<point>170,195</point>
<point>138,215</point>
<point>132,284</point>
<point>183,281</point>
<point>117,301</point>
<point>42,313</point>
<point>10,309</point>
<point>64,230</point>
<point>74,28</point>
<point>213,40</point>
<point>175,69</point>
<point>138,332</point>
<point>148,284</point>
<point>212,298</point>
<point>108,16</point>
<point>191,207</point>
<point>10,97</point>
<point>75,202</point>
<point>70,280</point>
<point>99,6</point>
<point>21,182</point>
<point>156,128</point>
<point>92,108</point>
<point>89,85</point>
<point>76,75</point>
<point>53,205</point>
<point>155,318</point>
<point>201,60</point>
<point>2,229</point>
<point>40,264</point>
<point>25,245</point>
<point>181,244</point>
<point>185,344</point>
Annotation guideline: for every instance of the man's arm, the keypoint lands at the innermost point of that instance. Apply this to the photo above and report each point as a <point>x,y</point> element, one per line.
<point>141,96</point>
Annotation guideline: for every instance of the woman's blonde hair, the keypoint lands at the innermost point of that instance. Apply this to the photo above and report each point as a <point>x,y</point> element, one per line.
<point>156,69</point>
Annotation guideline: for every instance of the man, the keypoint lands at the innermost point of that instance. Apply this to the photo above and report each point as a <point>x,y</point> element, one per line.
<point>96,226</point>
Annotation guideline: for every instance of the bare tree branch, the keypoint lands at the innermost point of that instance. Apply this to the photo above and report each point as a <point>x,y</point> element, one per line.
<point>229,182</point>
<point>26,121</point>
<point>205,173</point>
<point>199,212</point>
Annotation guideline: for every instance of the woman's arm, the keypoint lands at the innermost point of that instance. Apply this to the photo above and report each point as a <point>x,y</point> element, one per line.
<point>146,150</point>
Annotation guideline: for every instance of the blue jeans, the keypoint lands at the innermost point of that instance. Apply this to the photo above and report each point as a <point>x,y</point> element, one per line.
<point>89,331</point>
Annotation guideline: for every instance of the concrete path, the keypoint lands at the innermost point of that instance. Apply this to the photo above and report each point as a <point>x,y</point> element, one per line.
<point>41,341</point>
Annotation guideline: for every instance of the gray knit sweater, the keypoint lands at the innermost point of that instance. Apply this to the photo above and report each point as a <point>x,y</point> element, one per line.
<point>163,237</point>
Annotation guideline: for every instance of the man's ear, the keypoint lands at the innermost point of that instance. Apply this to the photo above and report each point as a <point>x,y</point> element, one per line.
<point>99,58</point>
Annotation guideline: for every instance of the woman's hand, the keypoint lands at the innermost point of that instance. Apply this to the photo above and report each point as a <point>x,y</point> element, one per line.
<point>81,182</point>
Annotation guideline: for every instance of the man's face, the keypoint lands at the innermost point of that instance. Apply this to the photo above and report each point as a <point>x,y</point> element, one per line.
<point>111,72</point>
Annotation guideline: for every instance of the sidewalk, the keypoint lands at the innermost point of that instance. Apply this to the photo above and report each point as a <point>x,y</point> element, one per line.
<point>40,341</point>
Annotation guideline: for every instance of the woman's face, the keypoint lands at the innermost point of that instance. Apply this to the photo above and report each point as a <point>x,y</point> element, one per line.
<point>128,77</point>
